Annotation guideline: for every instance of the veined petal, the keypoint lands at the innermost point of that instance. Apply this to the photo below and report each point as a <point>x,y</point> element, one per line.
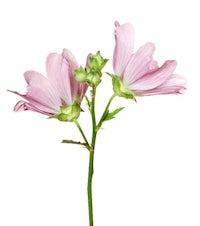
<point>73,65</point>
<point>139,64</point>
<point>79,89</point>
<point>156,78</point>
<point>176,84</point>
<point>124,44</point>
<point>23,106</point>
<point>34,103</point>
<point>57,68</point>
<point>41,91</point>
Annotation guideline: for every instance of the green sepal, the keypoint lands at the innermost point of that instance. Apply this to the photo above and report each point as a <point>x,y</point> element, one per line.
<point>68,113</point>
<point>120,89</point>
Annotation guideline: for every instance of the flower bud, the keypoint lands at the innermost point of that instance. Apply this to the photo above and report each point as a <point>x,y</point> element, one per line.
<point>93,79</point>
<point>97,62</point>
<point>80,74</point>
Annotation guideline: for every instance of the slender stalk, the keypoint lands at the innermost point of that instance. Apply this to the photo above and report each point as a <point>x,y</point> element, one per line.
<point>89,188</point>
<point>91,160</point>
<point>82,133</point>
<point>94,130</point>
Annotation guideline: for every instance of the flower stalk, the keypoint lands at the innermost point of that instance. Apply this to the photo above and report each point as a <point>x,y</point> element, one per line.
<point>91,159</point>
<point>89,187</point>
<point>82,133</point>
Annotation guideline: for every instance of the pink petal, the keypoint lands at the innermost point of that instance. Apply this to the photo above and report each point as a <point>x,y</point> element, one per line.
<point>124,38</point>
<point>34,103</point>
<point>176,84</point>
<point>156,78</point>
<point>88,59</point>
<point>41,91</point>
<point>23,106</point>
<point>77,87</point>
<point>140,63</point>
<point>57,68</point>
<point>73,64</point>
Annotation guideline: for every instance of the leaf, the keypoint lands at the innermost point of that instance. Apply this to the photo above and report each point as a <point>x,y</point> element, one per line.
<point>111,115</point>
<point>73,142</point>
<point>105,115</point>
<point>88,102</point>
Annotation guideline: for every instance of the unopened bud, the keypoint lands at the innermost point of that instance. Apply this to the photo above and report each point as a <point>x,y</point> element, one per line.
<point>80,74</point>
<point>97,62</point>
<point>93,79</point>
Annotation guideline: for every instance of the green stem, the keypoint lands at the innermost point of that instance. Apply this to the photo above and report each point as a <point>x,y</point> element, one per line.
<point>91,161</point>
<point>105,111</point>
<point>94,130</point>
<point>89,188</point>
<point>82,133</point>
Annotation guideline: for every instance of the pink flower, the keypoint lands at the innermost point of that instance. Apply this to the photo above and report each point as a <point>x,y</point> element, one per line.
<point>138,72</point>
<point>54,94</point>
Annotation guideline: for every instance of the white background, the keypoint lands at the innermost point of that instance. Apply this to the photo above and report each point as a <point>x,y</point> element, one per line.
<point>147,160</point>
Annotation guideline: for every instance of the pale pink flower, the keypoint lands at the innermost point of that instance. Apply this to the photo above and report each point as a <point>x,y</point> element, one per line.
<point>47,95</point>
<point>138,71</point>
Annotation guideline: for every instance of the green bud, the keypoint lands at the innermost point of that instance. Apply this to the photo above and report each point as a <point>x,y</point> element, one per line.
<point>80,74</point>
<point>68,113</point>
<point>120,89</point>
<point>93,79</point>
<point>97,62</point>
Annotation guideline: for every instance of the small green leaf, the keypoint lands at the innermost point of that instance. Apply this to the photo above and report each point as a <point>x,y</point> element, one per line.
<point>105,115</point>
<point>88,102</point>
<point>112,114</point>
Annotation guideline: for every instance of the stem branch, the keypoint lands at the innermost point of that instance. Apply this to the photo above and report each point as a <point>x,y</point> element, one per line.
<point>82,133</point>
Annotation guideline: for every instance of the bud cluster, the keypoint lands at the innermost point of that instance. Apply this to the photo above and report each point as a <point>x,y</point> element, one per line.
<point>91,74</point>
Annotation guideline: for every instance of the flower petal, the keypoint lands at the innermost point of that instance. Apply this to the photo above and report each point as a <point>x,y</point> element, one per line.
<point>23,106</point>
<point>73,64</point>
<point>139,64</point>
<point>57,68</point>
<point>176,84</point>
<point>40,90</point>
<point>78,88</point>
<point>40,94</point>
<point>156,78</point>
<point>124,39</point>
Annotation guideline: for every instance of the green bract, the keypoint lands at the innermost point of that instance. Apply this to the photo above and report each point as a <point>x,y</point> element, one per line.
<point>120,89</point>
<point>68,113</point>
